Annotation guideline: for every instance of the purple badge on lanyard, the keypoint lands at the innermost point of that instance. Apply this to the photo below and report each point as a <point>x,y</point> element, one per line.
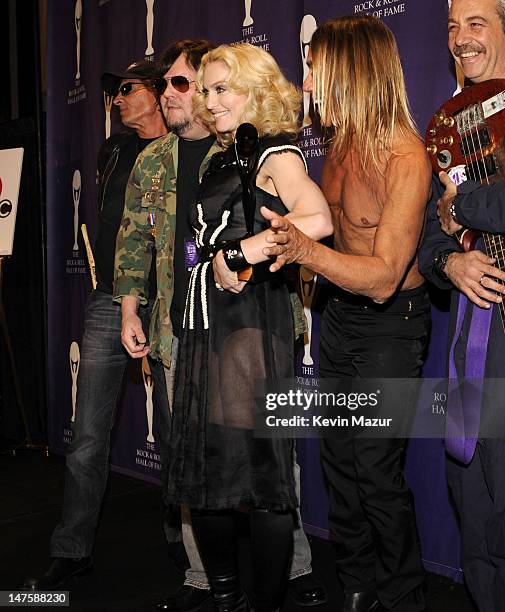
<point>190,253</point>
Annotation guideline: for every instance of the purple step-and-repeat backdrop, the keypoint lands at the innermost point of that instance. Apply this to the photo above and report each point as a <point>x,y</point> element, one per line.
<point>88,36</point>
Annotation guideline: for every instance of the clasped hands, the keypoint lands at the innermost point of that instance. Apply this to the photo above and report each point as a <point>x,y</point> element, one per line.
<point>288,245</point>
<point>224,278</point>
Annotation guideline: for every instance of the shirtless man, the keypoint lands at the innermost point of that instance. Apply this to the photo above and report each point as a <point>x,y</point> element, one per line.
<point>377,181</point>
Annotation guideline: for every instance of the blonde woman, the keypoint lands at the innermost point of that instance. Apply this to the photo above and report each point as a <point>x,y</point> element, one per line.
<point>238,332</point>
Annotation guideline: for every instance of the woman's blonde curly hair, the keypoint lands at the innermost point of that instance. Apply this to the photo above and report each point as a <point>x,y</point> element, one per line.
<point>273,104</point>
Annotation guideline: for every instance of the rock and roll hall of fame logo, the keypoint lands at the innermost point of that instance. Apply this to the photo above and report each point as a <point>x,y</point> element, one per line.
<point>249,34</point>
<point>78,91</point>
<point>311,140</point>
<point>76,264</point>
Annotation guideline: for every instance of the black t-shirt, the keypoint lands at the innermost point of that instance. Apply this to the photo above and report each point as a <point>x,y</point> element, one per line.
<point>190,158</point>
<point>118,166</point>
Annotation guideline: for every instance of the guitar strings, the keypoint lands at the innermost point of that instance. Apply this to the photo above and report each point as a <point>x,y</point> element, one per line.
<point>467,125</point>
<point>491,242</point>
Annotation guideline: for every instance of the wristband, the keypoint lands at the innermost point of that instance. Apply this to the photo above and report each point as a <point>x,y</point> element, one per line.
<point>246,274</point>
<point>234,257</point>
<point>440,263</point>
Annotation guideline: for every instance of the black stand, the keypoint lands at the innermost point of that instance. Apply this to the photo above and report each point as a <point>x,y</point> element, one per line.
<point>28,443</point>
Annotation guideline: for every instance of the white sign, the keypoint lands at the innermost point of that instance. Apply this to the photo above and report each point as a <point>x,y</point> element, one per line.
<point>11,162</point>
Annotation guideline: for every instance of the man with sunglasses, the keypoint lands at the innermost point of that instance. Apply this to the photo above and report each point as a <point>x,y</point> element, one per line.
<point>163,185</point>
<point>155,221</point>
<point>103,359</point>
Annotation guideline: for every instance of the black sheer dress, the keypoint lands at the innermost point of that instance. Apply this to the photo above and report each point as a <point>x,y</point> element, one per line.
<point>229,343</point>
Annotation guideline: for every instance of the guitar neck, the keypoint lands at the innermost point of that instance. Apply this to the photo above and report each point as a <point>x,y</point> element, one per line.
<point>495,247</point>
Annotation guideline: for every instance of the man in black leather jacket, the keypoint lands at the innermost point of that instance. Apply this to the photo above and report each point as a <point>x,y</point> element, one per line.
<point>103,359</point>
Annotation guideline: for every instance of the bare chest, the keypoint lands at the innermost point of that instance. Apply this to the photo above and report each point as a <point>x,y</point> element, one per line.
<point>355,204</point>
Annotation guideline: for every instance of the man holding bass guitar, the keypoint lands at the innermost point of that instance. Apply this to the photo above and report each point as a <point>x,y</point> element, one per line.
<point>476,460</point>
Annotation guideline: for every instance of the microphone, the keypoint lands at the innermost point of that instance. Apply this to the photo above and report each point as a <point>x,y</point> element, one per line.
<point>246,154</point>
<point>246,141</point>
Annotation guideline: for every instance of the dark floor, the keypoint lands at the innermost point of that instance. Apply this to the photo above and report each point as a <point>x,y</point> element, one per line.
<point>132,566</point>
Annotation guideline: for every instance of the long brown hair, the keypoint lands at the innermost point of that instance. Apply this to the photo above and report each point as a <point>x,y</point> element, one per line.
<point>359,88</point>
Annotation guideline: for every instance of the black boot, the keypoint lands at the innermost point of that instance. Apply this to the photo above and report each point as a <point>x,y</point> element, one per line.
<point>216,537</point>
<point>186,599</point>
<point>272,546</point>
<point>228,595</point>
<point>59,573</point>
<point>306,590</point>
<point>362,601</point>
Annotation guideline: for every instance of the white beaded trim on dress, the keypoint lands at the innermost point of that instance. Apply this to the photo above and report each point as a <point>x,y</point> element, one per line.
<point>199,272</point>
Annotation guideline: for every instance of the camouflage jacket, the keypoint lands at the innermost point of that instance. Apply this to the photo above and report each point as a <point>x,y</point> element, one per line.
<point>149,224</point>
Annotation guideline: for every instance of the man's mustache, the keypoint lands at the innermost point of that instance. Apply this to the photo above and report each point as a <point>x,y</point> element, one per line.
<point>470,48</point>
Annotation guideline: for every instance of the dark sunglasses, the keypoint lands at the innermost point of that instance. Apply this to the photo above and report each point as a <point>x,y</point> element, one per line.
<point>126,88</point>
<point>178,82</point>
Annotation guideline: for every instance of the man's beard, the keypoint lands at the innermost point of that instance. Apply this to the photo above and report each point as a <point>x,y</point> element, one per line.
<point>179,127</point>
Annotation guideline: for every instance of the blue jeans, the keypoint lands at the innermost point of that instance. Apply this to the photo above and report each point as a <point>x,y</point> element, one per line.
<point>102,366</point>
